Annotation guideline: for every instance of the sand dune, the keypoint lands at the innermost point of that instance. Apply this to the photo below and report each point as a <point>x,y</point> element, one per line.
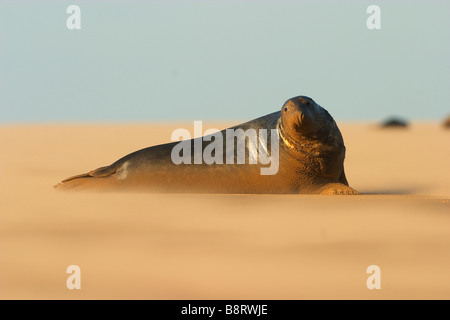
<point>168,246</point>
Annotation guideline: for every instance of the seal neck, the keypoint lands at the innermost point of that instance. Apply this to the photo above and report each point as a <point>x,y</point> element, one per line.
<point>288,141</point>
<point>308,146</point>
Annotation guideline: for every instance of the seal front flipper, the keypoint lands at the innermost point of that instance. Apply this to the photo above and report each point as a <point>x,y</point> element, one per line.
<point>337,189</point>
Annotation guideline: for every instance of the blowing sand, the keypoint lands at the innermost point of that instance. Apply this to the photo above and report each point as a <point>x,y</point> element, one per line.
<point>168,246</point>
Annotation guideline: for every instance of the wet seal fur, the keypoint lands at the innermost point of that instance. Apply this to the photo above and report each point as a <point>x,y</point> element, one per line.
<point>311,161</point>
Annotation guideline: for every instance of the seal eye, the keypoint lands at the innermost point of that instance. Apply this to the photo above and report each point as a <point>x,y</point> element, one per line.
<point>285,109</point>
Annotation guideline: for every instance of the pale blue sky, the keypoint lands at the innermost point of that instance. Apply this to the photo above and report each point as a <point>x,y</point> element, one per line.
<point>199,60</point>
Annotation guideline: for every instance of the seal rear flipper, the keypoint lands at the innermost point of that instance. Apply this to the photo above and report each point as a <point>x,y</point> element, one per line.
<point>97,173</point>
<point>76,181</point>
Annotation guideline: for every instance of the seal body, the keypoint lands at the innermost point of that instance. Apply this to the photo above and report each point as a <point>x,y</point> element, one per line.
<point>302,141</point>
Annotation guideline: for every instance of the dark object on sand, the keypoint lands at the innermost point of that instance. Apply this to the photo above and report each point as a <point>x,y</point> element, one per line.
<point>447,122</point>
<point>395,122</point>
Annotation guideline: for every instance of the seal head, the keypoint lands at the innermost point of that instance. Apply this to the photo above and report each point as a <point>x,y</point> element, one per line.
<point>304,123</point>
<point>316,144</point>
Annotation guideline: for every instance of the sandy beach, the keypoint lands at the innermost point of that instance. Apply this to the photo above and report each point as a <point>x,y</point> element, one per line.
<point>194,246</point>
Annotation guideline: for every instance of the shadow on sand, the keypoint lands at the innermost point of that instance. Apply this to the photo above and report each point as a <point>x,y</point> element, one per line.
<point>394,192</point>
